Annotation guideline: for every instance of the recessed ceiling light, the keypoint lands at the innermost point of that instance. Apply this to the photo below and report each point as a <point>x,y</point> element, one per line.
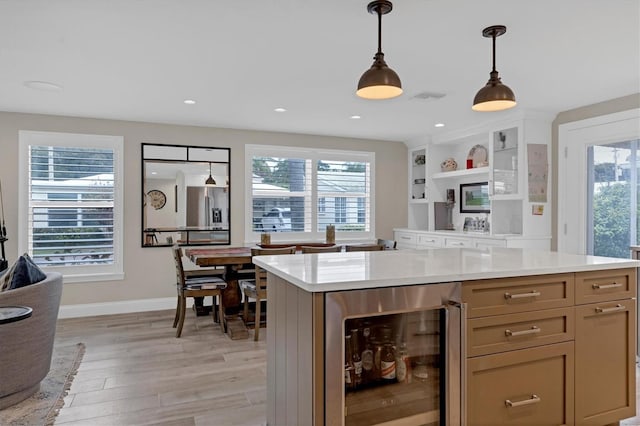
<point>355,117</point>
<point>439,125</point>
<point>280,110</point>
<point>43,85</point>
<point>189,101</point>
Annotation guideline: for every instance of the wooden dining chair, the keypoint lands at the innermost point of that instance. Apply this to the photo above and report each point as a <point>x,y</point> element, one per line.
<point>314,249</point>
<point>364,247</point>
<point>257,288</point>
<point>195,286</point>
<point>387,244</point>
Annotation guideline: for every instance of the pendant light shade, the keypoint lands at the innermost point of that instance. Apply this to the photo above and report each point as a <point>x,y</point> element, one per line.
<point>495,96</point>
<point>379,81</point>
<point>210,180</point>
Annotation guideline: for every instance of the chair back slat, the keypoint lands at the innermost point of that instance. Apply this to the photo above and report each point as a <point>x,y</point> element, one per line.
<point>364,247</point>
<point>177,258</point>
<point>313,249</point>
<point>261,274</point>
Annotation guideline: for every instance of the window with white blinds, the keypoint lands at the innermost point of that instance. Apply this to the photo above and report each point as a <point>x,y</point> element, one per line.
<point>72,192</point>
<point>295,193</point>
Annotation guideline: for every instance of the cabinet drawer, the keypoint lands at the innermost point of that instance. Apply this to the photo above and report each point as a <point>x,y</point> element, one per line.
<point>484,243</point>
<point>605,362</point>
<point>405,239</point>
<point>518,331</point>
<point>598,286</point>
<point>527,387</point>
<point>429,241</point>
<point>458,242</point>
<point>518,294</point>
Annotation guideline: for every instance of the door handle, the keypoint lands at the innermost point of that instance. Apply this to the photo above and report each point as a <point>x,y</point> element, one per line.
<point>532,330</point>
<point>616,308</point>
<point>533,400</point>
<point>532,293</point>
<point>603,286</point>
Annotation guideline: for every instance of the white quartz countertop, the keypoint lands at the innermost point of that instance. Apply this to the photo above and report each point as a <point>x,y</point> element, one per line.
<point>358,270</point>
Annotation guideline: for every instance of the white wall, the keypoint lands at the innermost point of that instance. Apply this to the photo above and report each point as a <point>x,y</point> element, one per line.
<point>149,272</point>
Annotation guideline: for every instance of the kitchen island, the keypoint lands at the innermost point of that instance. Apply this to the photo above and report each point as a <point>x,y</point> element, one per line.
<point>551,335</point>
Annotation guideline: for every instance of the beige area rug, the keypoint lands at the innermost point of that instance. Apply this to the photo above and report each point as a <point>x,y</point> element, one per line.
<point>43,406</point>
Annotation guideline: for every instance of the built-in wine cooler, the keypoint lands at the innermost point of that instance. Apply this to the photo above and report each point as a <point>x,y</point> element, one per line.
<point>397,357</point>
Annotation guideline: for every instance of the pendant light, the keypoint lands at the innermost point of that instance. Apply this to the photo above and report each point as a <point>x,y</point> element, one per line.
<point>210,180</point>
<point>379,81</point>
<point>495,96</point>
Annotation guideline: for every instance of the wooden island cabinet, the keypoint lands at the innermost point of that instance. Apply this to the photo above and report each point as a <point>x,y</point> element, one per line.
<point>545,338</point>
<point>553,349</point>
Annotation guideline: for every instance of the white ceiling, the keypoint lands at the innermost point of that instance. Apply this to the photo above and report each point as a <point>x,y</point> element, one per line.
<point>139,59</point>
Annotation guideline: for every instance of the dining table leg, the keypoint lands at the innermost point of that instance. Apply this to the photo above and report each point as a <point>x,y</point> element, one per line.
<point>232,300</point>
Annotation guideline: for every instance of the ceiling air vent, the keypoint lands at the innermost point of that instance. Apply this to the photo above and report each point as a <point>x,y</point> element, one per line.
<point>428,96</point>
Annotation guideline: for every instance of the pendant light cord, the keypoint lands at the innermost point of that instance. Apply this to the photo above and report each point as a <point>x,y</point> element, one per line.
<point>494,50</point>
<point>379,30</point>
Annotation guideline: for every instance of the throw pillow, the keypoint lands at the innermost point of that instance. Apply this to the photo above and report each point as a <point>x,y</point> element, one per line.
<point>5,279</point>
<point>26,272</point>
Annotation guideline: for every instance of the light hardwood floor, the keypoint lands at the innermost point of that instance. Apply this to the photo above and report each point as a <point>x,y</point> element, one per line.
<point>135,371</point>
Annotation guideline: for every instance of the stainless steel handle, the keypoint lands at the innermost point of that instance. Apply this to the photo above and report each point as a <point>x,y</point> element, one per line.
<point>616,308</point>
<point>456,244</point>
<point>532,330</point>
<point>532,293</point>
<point>533,400</point>
<point>429,241</point>
<point>603,286</point>
<point>406,238</point>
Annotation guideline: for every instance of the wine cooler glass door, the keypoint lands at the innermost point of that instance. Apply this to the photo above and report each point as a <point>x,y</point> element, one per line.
<point>392,355</point>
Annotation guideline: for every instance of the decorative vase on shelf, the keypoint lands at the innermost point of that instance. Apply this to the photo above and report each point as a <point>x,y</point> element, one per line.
<point>449,165</point>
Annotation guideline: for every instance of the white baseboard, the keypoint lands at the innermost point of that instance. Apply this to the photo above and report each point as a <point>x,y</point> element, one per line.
<point>122,307</point>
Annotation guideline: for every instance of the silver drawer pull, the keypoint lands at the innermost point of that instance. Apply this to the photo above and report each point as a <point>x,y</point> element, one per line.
<point>406,238</point>
<point>533,400</point>
<point>456,244</point>
<point>616,308</point>
<point>532,293</point>
<point>532,330</point>
<point>603,286</point>
<point>430,241</point>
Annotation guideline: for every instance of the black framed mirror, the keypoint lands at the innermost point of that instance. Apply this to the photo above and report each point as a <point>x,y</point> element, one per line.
<point>186,195</point>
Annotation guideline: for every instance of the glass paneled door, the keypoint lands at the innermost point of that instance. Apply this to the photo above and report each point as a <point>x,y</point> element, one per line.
<point>612,198</point>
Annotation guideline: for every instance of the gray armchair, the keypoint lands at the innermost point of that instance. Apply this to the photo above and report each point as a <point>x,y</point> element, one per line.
<point>26,346</point>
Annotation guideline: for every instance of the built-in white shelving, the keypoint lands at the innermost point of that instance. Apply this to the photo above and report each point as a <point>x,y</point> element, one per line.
<point>478,171</point>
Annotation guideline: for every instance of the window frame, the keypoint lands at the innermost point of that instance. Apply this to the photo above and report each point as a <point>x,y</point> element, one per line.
<point>315,155</point>
<point>85,273</point>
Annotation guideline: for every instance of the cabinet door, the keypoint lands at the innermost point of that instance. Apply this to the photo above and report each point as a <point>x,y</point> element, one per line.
<point>483,243</point>
<point>458,242</point>
<point>605,362</point>
<point>503,333</point>
<point>518,294</point>
<point>405,240</point>
<point>418,175</point>
<point>600,286</point>
<point>506,160</point>
<point>526,387</point>
<point>429,241</point>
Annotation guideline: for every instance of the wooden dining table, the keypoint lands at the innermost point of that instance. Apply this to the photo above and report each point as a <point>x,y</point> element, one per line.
<point>237,264</point>
<point>235,260</point>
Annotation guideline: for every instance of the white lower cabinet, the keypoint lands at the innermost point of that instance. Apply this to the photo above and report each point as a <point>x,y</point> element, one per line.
<point>459,242</point>
<point>486,243</point>
<point>412,239</point>
<point>430,241</point>
<point>405,240</point>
